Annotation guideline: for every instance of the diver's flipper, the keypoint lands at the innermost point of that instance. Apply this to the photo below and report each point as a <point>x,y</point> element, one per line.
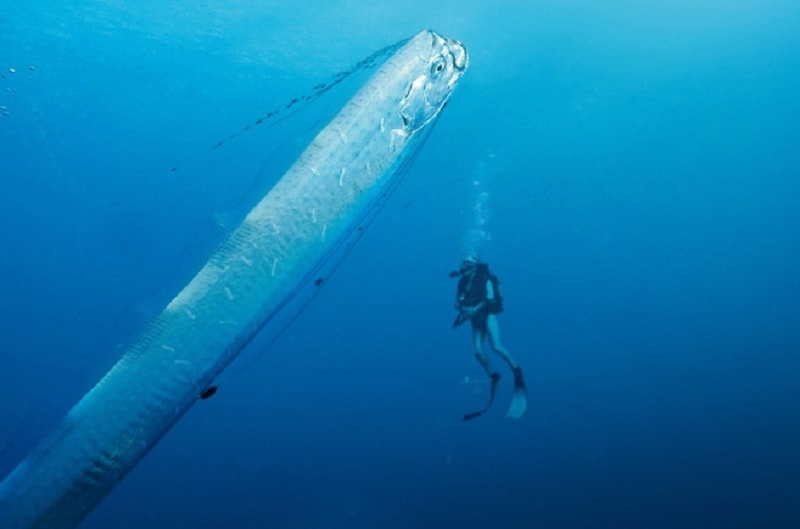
<point>472,415</point>
<point>519,399</point>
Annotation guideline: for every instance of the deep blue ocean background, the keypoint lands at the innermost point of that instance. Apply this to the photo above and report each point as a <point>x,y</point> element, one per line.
<point>630,170</point>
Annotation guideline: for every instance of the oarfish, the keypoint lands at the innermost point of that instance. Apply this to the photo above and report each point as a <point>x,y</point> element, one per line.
<point>315,209</point>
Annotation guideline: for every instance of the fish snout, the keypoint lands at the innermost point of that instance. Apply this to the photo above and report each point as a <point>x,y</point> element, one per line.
<point>459,54</point>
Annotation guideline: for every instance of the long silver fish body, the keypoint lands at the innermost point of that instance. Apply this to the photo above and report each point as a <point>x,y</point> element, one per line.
<point>314,209</point>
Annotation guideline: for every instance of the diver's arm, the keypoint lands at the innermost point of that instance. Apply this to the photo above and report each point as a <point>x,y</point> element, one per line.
<point>471,310</point>
<point>487,302</point>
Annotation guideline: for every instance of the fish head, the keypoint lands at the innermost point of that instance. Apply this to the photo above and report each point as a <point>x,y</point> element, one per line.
<point>442,63</point>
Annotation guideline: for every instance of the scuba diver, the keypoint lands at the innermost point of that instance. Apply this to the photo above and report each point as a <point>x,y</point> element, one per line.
<point>478,300</point>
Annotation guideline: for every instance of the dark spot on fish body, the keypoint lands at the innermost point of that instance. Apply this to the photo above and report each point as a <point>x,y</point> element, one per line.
<point>208,392</point>
<point>318,282</point>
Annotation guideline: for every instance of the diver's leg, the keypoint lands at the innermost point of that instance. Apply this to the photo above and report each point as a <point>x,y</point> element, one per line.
<point>478,334</point>
<point>519,399</point>
<point>493,332</point>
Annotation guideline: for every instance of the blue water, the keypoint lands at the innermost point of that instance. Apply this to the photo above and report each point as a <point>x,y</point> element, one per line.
<point>630,170</point>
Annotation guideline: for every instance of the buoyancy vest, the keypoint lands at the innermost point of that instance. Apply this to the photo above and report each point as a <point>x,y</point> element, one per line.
<point>472,289</point>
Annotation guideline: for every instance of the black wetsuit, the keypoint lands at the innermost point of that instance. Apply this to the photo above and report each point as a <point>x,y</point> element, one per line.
<point>472,291</point>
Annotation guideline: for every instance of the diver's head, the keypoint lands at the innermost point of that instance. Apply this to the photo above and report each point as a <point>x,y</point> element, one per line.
<point>469,263</point>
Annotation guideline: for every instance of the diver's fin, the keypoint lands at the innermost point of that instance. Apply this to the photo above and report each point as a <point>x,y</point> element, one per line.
<point>519,399</point>
<point>472,415</point>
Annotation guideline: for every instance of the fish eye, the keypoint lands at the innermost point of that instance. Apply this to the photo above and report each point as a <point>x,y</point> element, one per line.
<point>438,66</point>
